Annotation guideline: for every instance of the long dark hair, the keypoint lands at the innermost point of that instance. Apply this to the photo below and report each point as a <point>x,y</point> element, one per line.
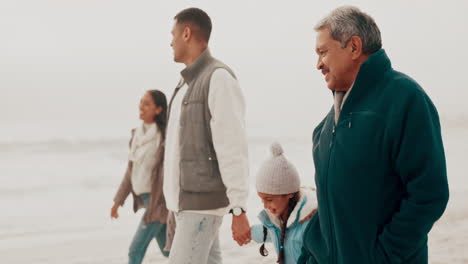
<point>291,205</point>
<point>159,99</point>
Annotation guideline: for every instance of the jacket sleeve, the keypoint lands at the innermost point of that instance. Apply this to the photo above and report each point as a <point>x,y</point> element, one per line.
<point>257,234</point>
<point>227,106</point>
<point>125,187</point>
<point>418,158</point>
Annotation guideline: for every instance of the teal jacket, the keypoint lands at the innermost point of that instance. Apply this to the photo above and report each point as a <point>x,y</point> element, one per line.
<point>295,227</point>
<point>380,173</point>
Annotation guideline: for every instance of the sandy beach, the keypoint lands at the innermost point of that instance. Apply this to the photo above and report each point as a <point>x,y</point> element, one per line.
<point>56,196</point>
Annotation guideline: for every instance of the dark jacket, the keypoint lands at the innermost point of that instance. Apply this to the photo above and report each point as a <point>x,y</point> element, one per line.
<point>380,173</point>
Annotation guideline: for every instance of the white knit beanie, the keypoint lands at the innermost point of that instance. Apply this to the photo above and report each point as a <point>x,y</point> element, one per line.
<point>277,175</point>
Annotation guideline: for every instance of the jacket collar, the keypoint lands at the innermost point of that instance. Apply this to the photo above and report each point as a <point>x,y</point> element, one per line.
<point>190,72</point>
<point>370,73</point>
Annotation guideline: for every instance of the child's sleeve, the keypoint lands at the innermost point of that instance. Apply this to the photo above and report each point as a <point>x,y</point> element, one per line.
<point>257,234</point>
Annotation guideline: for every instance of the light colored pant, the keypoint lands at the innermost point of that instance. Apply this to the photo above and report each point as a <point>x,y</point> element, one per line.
<point>196,239</point>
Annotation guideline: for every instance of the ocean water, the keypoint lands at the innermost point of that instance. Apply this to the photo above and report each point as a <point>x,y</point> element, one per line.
<point>56,196</point>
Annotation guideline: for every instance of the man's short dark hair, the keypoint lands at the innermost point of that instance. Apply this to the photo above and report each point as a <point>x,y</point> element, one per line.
<point>196,17</point>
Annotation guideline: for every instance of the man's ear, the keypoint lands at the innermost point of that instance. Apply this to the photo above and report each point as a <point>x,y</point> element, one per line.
<point>355,45</point>
<point>187,33</point>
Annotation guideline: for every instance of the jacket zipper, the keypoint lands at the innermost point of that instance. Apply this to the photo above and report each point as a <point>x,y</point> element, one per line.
<point>332,141</point>
<point>331,232</point>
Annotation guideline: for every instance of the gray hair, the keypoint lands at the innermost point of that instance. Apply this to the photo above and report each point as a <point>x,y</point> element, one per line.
<point>347,21</point>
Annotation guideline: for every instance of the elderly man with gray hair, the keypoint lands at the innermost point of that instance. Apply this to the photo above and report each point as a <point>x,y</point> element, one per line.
<point>379,159</point>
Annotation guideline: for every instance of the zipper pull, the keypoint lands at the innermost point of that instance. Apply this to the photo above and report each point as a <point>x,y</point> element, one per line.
<point>333,136</point>
<point>350,118</point>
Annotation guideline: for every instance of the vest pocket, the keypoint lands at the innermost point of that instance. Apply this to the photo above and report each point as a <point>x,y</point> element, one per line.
<point>193,111</point>
<point>200,176</point>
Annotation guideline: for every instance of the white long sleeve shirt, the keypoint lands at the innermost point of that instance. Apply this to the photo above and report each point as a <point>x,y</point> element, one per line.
<point>227,108</point>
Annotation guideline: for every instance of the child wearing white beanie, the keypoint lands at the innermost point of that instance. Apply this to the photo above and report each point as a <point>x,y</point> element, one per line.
<point>288,207</point>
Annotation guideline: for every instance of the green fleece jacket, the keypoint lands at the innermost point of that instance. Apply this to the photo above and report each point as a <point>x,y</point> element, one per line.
<point>380,173</point>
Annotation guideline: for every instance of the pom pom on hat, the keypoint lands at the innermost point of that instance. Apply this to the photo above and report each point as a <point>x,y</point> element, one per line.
<point>276,149</point>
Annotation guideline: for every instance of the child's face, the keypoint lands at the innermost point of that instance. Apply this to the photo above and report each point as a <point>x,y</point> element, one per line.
<point>276,204</point>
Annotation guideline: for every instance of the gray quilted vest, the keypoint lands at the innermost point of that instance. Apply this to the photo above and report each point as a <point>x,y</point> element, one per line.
<point>201,186</point>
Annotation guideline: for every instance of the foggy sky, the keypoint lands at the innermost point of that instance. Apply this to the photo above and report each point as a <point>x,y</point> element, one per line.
<point>77,69</point>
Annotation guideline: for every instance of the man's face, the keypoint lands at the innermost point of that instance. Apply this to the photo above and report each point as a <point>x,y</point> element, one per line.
<point>178,44</point>
<point>335,62</point>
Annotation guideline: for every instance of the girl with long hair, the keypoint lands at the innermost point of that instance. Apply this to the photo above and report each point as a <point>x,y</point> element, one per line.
<point>144,176</point>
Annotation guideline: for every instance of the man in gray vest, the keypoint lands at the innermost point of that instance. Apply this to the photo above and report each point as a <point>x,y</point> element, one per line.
<point>206,158</point>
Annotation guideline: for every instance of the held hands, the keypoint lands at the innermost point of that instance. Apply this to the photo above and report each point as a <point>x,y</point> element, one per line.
<point>115,211</point>
<point>241,229</point>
